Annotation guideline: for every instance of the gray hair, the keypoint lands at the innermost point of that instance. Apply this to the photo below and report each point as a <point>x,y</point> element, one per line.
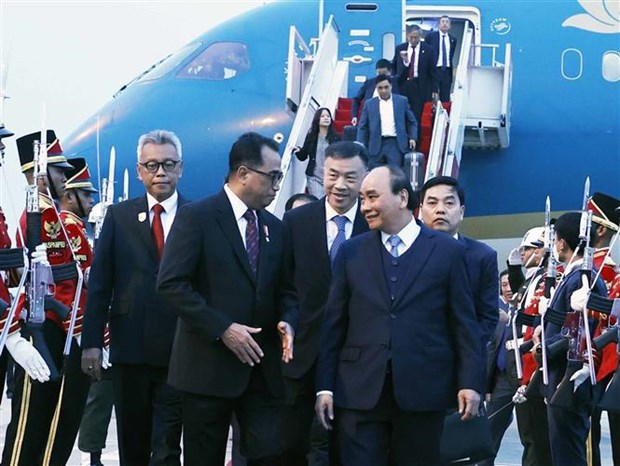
<point>414,27</point>
<point>160,136</point>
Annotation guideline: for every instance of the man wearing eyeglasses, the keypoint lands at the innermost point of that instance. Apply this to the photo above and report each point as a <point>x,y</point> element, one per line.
<point>122,286</point>
<point>222,275</point>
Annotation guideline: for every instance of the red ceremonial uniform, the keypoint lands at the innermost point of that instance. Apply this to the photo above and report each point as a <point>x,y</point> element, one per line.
<point>76,231</point>
<point>58,251</point>
<point>5,243</point>
<point>609,361</point>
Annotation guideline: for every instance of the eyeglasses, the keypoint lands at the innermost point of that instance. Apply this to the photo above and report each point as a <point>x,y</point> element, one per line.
<point>153,167</point>
<point>275,177</point>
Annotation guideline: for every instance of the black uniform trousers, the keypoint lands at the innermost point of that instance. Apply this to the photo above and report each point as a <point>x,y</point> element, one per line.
<point>206,421</point>
<point>534,432</point>
<point>444,76</point>
<point>388,435</point>
<point>97,414</point>
<point>304,440</point>
<point>411,90</point>
<point>46,416</point>
<point>148,416</point>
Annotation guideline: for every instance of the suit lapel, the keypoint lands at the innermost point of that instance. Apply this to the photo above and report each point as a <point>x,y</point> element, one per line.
<point>317,222</point>
<point>264,244</point>
<point>375,263</point>
<point>359,225</point>
<point>228,223</point>
<point>143,225</point>
<point>421,250</point>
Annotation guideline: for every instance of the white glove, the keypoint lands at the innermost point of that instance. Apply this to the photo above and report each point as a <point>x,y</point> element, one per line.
<point>86,276</point>
<point>39,255</point>
<point>579,298</point>
<point>519,396</point>
<point>543,304</point>
<point>580,376</point>
<point>78,340</point>
<point>27,357</point>
<point>105,358</point>
<point>514,258</point>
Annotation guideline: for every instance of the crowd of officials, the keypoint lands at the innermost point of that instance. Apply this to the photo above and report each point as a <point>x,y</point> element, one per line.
<point>340,335</point>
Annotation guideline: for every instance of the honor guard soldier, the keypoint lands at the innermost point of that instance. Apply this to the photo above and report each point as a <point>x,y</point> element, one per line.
<point>22,351</point>
<point>39,433</point>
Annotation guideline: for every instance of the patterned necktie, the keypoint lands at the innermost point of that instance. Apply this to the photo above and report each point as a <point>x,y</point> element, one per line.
<point>444,55</point>
<point>340,221</point>
<point>157,228</point>
<point>412,65</point>
<point>251,239</point>
<point>394,241</point>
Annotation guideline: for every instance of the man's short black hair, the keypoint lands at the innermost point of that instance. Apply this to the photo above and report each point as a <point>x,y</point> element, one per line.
<point>567,228</point>
<point>383,77</point>
<point>502,273</point>
<point>347,150</point>
<point>398,182</point>
<point>247,150</point>
<point>443,180</point>
<point>299,197</point>
<point>383,63</point>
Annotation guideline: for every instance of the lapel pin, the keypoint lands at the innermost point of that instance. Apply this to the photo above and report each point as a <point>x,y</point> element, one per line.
<point>141,217</point>
<point>266,230</point>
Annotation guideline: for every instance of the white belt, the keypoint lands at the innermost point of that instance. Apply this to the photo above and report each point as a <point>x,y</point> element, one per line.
<point>510,344</point>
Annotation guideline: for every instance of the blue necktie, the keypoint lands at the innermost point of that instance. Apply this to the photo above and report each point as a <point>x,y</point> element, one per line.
<point>444,55</point>
<point>394,241</point>
<point>251,240</point>
<point>340,221</point>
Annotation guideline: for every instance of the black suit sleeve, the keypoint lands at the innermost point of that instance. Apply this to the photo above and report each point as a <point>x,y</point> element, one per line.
<point>289,303</point>
<point>357,100</point>
<point>100,286</point>
<point>335,324</point>
<point>180,266</point>
<point>488,305</point>
<point>306,149</point>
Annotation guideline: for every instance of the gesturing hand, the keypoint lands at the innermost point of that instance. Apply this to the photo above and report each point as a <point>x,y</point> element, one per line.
<point>287,336</point>
<point>238,339</point>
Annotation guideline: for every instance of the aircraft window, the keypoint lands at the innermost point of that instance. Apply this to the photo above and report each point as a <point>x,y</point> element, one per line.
<point>219,61</point>
<point>361,7</point>
<point>170,62</point>
<point>388,45</point>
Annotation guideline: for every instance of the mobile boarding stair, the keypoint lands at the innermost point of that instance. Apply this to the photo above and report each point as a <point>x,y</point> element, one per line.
<point>479,116</point>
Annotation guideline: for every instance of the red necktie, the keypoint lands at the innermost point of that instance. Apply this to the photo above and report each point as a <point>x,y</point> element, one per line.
<point>157,228</point>
<point>412,65</point>
<point>251,239</point>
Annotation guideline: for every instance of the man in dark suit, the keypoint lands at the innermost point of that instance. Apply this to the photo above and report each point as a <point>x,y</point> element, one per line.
<point>388,128</point>
<point>122,286</point>
<point>222,274</point>
<point>444,45</point>
<point>443,207</point>
<point>368,89</point>
<point>314,234</point>
<point>399,336</point>
<point>415,70</point>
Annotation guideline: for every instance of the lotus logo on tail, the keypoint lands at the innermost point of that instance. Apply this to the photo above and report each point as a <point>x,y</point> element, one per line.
<point>602,16</point>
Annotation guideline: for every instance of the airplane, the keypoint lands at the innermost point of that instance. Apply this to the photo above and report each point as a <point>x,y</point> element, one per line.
<point>534,105</point>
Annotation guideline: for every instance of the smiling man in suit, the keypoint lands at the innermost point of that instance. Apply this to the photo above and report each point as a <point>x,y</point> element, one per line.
<point>387,128</point>
<point>222,274</point>
<point>399,342</point>
<point>314,234</point>
<point>122,286</point>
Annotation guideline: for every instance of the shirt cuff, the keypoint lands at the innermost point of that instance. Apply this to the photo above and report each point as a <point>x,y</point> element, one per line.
<point>325,392</point>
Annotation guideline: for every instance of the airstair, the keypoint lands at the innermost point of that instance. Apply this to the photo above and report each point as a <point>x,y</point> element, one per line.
<point>314,80</point>
<point>480,112</point>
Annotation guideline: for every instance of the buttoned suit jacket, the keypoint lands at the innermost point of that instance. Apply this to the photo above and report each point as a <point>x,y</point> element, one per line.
<point>308,264</point>
<point>427,70</point>
<point>429,330</point>
<point>121,288</point>
<point>206,279</point>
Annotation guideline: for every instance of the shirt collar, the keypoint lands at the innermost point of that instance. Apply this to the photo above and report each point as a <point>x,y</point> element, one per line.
<point>331,213</point>
<point>387,101</point>
<point>168,204</point>
<point>238,206</point>
<point>573,265</point>
<point>407,235</point>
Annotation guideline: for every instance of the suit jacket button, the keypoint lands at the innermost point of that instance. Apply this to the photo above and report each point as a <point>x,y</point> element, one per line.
<point>393,279</point>
<point>383,346</point>
<point>394,262</point>
<point>393,316</point>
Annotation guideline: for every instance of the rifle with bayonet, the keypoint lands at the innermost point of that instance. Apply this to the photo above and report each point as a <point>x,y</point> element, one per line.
<point>106,196</point>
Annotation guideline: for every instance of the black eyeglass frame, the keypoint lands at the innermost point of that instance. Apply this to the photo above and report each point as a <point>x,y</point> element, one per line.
<point>152,163</point>
<point>276,177</point>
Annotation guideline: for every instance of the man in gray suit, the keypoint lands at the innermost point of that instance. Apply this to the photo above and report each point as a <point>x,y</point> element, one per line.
<point>387,126</point>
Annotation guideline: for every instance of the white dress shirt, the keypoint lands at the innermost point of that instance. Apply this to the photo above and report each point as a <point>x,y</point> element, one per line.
<point>332,228</point>
<point>167,216</point>
<point>407,236</point>
<point>386,112</point>
<point>239,209</point>
<point>441,36</point>
<point>417,58</point>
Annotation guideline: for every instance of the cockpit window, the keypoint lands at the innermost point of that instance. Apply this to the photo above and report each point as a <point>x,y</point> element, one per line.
<point>170,62</point>
<point>219,61</point>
